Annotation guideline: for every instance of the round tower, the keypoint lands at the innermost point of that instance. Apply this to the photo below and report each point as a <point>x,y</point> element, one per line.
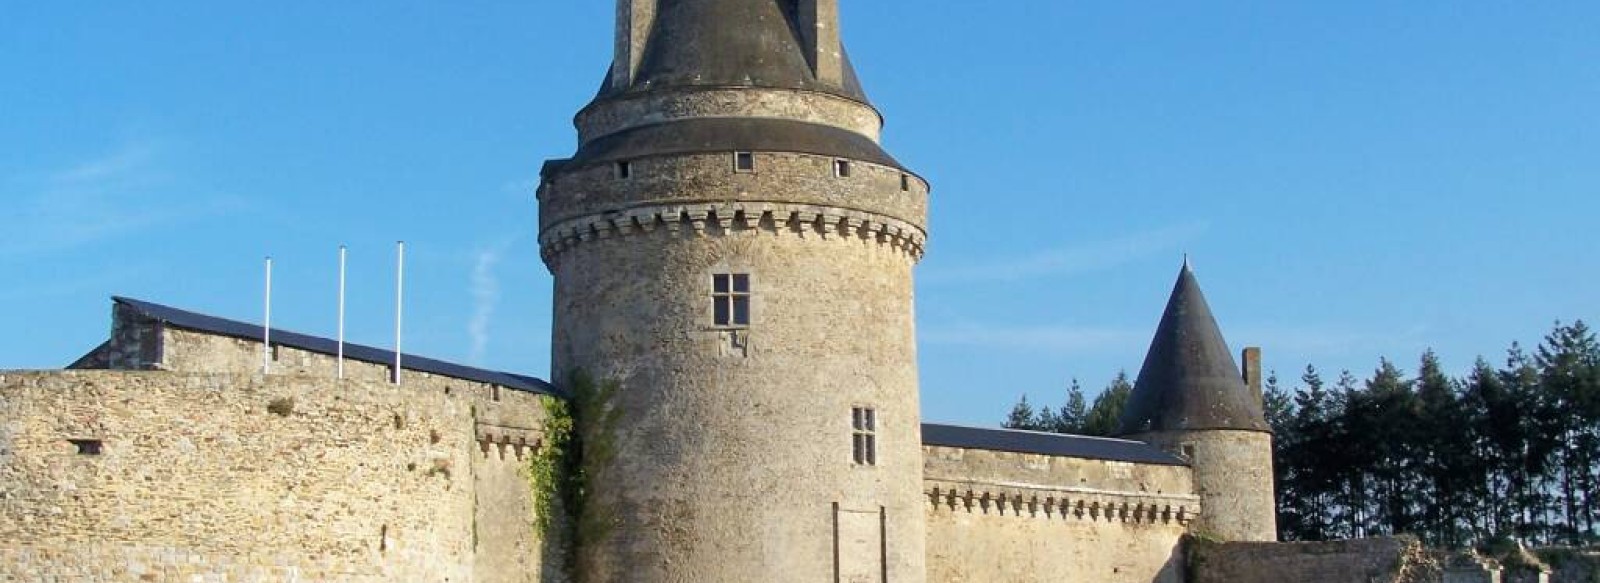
<point>733,248</point>
<point>1191,399</point>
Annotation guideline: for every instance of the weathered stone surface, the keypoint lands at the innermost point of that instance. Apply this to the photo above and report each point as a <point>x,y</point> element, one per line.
<point>244,477</point>
<point>1013,517</point>
<point>1373,560</point>
<point>1233,477</point>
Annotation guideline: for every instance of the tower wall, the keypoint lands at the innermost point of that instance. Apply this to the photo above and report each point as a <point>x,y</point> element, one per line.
<point>1233,476</point>
<point>734,458</point>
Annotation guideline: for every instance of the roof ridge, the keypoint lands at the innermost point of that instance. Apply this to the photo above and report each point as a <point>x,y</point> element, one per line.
<point>312,343</point>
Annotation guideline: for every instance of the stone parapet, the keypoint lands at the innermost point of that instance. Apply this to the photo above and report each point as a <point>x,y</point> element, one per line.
<point>616,114</point>
<point>791,178</point>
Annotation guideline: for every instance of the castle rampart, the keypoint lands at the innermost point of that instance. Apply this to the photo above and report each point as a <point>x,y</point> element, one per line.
<point>162,476</point>
<point>1024,517</point>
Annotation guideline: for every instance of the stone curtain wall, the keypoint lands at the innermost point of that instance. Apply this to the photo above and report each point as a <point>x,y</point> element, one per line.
<point>999,517</point>
<point>243,477</point>
<point>1375,560</point>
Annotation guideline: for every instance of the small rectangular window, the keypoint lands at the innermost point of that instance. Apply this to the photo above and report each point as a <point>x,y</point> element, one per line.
<point>905,182</point>
<point>624,169</point>
<point>864,436</point>
<point>730,299</point>
<point>86,446</point>
<point>841,168</point>
<point>744,161</point>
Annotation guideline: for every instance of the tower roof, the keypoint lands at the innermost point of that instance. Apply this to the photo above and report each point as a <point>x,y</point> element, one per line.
<point>1189,380</point>
<point>742,43</point>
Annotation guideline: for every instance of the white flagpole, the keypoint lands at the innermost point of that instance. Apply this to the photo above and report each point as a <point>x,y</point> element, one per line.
<point>399,302</point>
<point>341,310</point>
<point>266,325</point>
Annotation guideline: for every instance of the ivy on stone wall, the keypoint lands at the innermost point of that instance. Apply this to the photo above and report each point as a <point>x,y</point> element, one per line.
<point>579,442</point>
<point>549,469</point>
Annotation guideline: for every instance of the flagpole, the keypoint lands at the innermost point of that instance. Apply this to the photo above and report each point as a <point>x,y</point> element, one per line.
<point>342,253</point>
<point>399,302</point>
<point>266,325</point>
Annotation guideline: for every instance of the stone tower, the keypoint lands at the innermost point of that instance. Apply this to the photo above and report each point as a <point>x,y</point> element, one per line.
<point>731,244</point>
<point>1191,399</point>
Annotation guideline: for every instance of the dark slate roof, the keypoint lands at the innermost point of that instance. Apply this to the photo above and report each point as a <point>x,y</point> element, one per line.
<point>750,43</point>
<point>1056,444</point>
<point>236,329</point>
<point>733,134</point>
<point>1189,379</point>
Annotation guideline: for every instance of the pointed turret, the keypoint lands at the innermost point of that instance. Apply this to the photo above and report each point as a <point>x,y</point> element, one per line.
<point>1192,400</point>
<point>1189,380</point>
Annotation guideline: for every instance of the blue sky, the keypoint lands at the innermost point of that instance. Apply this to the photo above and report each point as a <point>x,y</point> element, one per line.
<point>1352,179</point>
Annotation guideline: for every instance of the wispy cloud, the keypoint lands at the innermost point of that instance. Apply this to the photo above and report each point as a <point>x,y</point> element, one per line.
<point>1073,259</point>
<point>1043,339</point>
<point>97,199</point>
<point>485,288</point>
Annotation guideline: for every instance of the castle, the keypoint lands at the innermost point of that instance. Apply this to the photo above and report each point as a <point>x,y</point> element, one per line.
<point>732,248</point>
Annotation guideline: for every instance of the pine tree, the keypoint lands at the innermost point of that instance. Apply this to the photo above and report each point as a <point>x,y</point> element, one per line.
<point>1075,413</point>
<point>1445,459</point>
<point>1566,363</point>
<point>1495,432</point>
<point>1279,408</point>
<point>1022,416</point>
<point>1106,413</point>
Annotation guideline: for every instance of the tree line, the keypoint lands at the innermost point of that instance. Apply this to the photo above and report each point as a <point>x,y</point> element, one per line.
<point>1507,451</point>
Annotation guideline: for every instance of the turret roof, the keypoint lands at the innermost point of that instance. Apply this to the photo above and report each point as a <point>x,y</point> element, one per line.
<point>749,43</point>
<point>1189,380</point>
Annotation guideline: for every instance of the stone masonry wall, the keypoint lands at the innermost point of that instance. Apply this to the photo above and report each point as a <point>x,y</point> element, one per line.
<point>244,478</point>
<point>1000,517</point>
<point>1372,560</point>
<point>1233,476</point>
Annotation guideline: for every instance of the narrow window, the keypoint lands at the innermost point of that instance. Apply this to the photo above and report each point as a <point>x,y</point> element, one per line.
<point>841,168</point>
<point>905,183</point>
<point>86,446</point>
<point>624,169</point>
<point>730,299</point>
<point>744,162</point>
<point>864,436</point>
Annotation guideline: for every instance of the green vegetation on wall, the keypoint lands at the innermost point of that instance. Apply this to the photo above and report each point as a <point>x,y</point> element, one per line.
<point>579,443</point>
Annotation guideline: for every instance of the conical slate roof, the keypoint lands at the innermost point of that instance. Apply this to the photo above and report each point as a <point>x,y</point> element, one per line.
<point>742,43</point>
<point>1189,380</point>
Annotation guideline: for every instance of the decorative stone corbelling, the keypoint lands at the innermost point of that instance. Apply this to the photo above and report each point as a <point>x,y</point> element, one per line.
<point>722,219</point>
<point>1063,503</point>
<point>518,440</point>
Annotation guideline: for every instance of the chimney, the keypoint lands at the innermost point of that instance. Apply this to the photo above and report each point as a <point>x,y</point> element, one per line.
<point>1252,372</point>
<point>819,31</point>
<point>634,21</point>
